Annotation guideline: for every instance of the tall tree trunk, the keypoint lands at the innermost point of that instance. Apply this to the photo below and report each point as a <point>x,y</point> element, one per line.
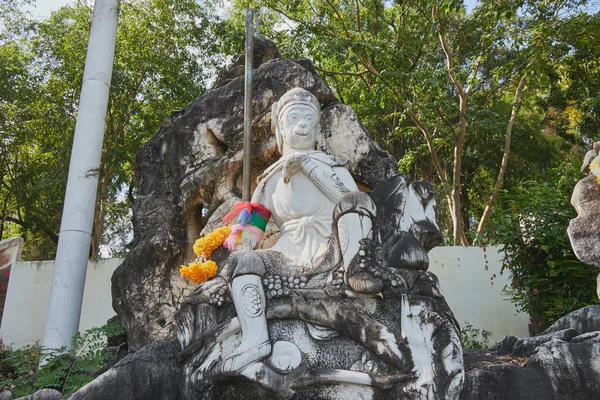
<point>99,214</point>
<point>494,196</point>
<point>458,232</point>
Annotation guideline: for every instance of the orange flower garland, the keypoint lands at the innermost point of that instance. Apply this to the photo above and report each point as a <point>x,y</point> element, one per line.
<point>202,269</point>
<point>249,223</point>
<point>209,243</point>
<point>199,271</point>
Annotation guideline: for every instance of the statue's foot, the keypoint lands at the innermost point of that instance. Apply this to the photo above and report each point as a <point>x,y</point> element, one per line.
<point>240,360</point>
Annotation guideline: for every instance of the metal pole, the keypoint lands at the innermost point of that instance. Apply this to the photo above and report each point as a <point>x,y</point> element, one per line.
<point>246,187</point>
<point>66,296</point>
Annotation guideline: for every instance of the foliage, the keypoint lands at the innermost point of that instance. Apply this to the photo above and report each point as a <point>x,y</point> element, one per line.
<point>548,281</point>
<point>440,88</point>
<point>65,371</point>
<point>573,101</point>
<point>472,338</point>
<point>436,86</point>
<point>165,53</point>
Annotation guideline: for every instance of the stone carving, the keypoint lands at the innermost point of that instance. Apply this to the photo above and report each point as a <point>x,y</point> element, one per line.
<point>194,163</point>
<point>347,274</point>
<point>560,363</point>
<point>584,231</point>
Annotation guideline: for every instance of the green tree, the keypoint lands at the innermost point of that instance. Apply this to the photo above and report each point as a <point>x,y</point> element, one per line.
<point>573,101</point>
<point>548,281</point>
<point>164,55</point>
<point>425,68</point>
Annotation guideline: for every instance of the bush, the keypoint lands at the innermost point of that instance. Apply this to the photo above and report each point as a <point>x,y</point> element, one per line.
<point>65,370</point>
<point>548,281</point>
<point>472,338</point>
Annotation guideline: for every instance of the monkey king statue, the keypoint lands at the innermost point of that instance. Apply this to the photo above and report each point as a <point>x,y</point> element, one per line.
<point>341,303</point>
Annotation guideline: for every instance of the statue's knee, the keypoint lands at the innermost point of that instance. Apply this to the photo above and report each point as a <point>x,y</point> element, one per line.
<point>355,202</point>
<point>246,263</point>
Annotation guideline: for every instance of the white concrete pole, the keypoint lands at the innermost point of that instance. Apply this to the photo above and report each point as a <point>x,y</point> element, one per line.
<point>64,308</point>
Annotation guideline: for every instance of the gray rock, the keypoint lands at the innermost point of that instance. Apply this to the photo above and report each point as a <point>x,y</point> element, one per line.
<point>584,231</point>
<point>407,343</point>
<point>194,162</point>
<point>6,395</point>
<point>526,346</point>
<point>559,364</point>
<point>584,320</point>
<point>44,394</point>
<point>151,373</point>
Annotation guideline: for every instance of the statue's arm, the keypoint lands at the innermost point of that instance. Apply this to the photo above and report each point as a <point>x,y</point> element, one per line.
<point>334,183</point>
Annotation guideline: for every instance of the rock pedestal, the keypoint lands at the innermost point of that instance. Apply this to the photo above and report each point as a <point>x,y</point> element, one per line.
<point>404,346</point>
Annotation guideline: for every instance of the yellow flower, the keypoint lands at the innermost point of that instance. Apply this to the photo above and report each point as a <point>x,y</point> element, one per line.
<point>209,243</point>
<point>199,272</point>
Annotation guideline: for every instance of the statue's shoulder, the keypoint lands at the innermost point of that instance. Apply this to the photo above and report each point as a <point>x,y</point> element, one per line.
<point>333,161</point>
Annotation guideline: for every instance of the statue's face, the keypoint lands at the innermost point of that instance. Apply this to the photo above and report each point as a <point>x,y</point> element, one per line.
<point>299,126</point>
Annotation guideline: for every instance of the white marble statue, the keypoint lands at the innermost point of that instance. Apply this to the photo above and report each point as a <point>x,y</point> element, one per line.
<point>301,190</point>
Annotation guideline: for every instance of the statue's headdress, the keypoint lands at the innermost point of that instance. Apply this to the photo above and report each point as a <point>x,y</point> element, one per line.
<point>290,98</point>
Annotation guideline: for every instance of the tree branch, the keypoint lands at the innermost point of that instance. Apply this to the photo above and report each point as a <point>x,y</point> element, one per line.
<point>335,10</point>
<point>328,72</point>
<point>446,122</point>
<point>29,227</point>
<point>357,16</point>
<point>513,117</point>
<point>447,53</point>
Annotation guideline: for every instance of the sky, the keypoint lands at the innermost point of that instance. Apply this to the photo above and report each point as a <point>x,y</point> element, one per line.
<point>43,8</point>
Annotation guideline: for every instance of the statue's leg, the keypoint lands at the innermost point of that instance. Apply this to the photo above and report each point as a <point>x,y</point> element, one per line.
<point>249,301</point>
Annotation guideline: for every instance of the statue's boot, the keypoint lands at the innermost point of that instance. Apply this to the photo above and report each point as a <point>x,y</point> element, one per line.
<point>249,301</point>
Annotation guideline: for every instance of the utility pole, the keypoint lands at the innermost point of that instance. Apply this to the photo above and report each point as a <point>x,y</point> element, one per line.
<point>66,296</point>
<point>246,159</point>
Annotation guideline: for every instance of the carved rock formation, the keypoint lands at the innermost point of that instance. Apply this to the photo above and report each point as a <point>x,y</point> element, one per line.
<point>194,163</point>
<point>553,370</point>
<point>331,338</point>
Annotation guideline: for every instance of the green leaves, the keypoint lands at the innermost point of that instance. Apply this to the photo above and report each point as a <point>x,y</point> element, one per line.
<point>166,52</point>
<point>65,371</point>
<point>548,280</point>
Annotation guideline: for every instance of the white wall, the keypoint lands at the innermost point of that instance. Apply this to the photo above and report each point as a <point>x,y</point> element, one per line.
<point>472,284</point>
<point>29,291</point>
<point>465,275</point>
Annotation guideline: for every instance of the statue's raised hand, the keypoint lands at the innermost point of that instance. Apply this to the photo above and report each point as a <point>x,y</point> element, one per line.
<point>292,165</point>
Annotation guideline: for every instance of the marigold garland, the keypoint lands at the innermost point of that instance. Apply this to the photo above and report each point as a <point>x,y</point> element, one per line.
<point>250,221</point>
<point>209,243</point>
<point>199,271</point>
<point>202,269</point>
